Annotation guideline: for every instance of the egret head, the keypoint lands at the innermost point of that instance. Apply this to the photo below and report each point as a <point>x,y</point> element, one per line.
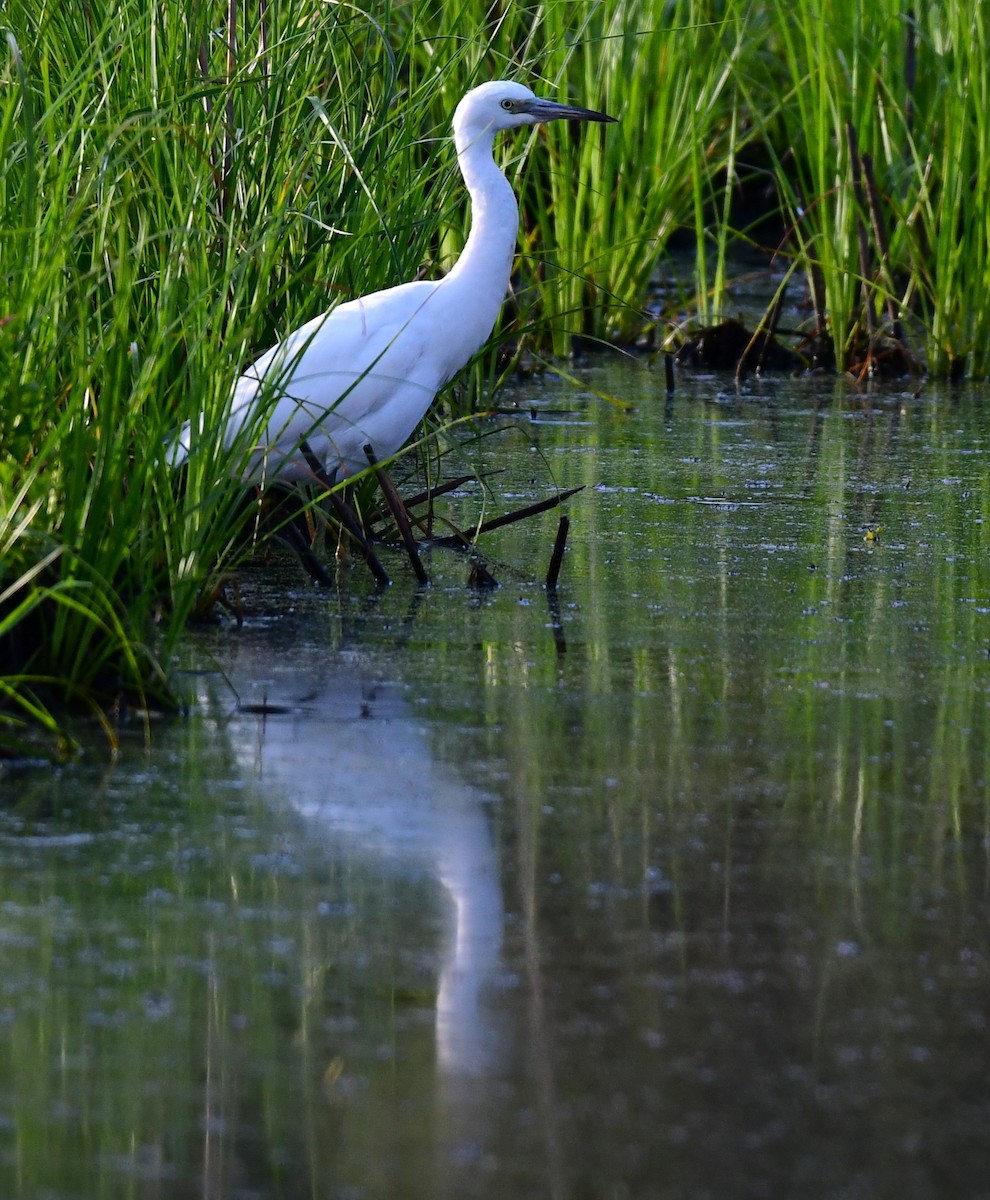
<point>506,105</point>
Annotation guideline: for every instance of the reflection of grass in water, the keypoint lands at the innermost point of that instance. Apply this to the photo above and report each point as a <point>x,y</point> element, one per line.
<point>750,798</point>
<point>843,677</point>
<point>200,993</point>
<point>740,822</point>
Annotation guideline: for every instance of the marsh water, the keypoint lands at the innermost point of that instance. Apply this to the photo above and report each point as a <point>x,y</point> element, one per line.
<point>673,884</point>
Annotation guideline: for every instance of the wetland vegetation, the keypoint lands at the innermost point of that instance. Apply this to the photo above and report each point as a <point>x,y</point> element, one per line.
<point>182,182</point>
<point>677,887</point>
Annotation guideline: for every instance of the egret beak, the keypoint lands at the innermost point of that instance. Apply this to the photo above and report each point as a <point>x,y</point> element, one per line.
<point>549,110</point>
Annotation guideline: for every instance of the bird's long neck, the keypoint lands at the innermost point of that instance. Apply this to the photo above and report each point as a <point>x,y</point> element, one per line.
<point>486,260</point>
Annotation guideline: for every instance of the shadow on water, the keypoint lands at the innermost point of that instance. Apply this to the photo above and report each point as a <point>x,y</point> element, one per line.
<point>675,887</point>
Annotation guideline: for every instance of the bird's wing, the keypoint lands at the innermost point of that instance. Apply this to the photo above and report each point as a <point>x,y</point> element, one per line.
<point>341,368</point>
<point>364,372</point>
<point>382,335</point>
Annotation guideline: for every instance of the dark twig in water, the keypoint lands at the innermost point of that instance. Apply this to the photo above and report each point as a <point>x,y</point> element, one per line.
<point>480,576</point>
<point>668,371</point>
<point>441,489</point>
<point>459,539</point>
<point>424,523</point>
<point>557,557</point>
<point>264,709</point>
<point>399,515</point>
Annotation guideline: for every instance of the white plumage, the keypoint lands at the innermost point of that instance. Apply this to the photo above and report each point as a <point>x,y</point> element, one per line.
<point>367,371</point>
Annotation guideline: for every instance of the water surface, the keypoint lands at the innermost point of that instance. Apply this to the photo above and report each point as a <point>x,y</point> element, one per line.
<point>673,884</point>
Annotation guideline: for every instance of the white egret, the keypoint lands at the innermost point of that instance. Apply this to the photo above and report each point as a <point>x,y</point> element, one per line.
<point>365,372</point>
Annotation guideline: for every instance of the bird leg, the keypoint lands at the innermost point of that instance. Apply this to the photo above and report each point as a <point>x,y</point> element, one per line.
<point>345,515</point>
<point>291,530</point>
<point>399,514</point>
<point>296,540</point>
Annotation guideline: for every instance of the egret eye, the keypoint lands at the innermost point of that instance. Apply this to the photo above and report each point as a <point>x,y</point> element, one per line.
<point>507,105</point>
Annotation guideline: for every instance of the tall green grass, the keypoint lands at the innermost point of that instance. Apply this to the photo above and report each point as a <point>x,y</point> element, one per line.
<point>599,205</point>
<point>603,209</point>
<point>876,117</point>
<point>149,247</point>
<point>181,183</point>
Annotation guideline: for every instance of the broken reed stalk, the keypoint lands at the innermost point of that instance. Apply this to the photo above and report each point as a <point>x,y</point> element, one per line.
<point>399,514</point>
<point>459,539</point>
<point>557,557</point>
<point>440,490</point>
<point>422,522</point>
<point>668,371</point>
<point>556,625</point>
<point>480,577</point>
